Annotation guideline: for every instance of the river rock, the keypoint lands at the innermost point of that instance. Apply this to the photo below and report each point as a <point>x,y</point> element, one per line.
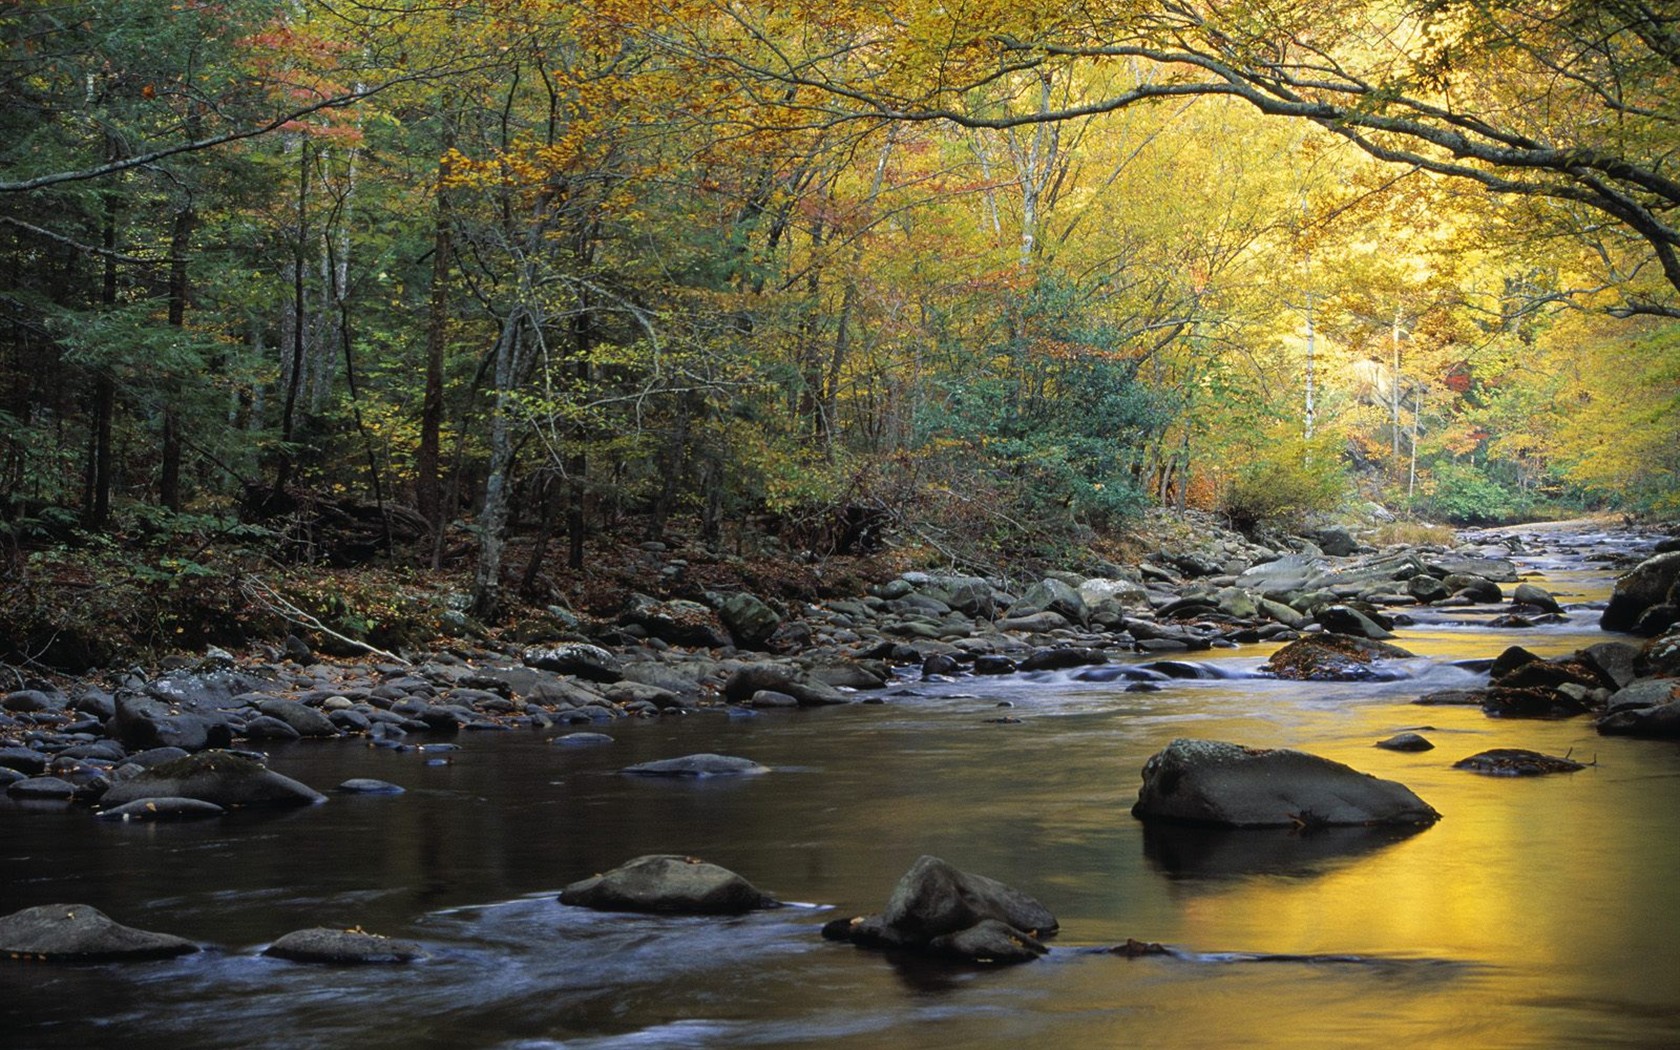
<point>575,658</point>
<point>1426,588</point>
<point>1495,570</point>
<point>1661,721</point>
<point>582,740</point>
<point>669,884</point>
<point>1346,620</point>
<point>81,933</point>
<point>1281,578</point>
<point>969,595</point>
<point>306,720</point>
<point>1053,595</point>
<point>149,810</point>
<point>1648,584</point>
<point>1477,589</point>
<point>1406,742</point>
<point>23,759</point>
<point>1062,657</point>
<point>1516,762</point>
<point>701,765</point>
<point>222,777</point>
<point>780,678</point>
<point>1334,658</point>
<point>677,621</point>
<point>263,728</point>
<point>941,910</point>
<point>42,789</point>
<point>1660,657</point>
<point>750,621</point>
<point>369,786</point>
<point>1216,783</point>
<point>142,721</point>
<point>1538,597</point>
<point>343,947</point>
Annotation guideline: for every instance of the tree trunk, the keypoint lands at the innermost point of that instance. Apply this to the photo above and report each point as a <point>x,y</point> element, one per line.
<point>180,244</point>
<point>288,415</point>
<point>492,522</point>
<point>428,483</point>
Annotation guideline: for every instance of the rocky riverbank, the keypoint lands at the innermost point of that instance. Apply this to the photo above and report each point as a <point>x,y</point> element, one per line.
<point>1334,600</point>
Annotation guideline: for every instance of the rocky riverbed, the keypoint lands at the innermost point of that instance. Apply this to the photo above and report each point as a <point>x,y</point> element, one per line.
<point>193,741</point>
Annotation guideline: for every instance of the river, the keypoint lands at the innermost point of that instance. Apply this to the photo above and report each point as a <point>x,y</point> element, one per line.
<point>1538,913</point>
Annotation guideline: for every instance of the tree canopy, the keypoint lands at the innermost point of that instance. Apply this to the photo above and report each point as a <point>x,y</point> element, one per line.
<point>990,277</point>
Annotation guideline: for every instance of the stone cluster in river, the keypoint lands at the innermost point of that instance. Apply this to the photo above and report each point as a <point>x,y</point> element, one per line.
<point>937,909</point>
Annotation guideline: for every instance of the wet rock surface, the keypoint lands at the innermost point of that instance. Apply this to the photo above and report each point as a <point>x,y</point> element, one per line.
<point>940,910</point>
<point>343,947</point>
<point>1210,782</point>
<point>81,933</point>
<point>668,884</point>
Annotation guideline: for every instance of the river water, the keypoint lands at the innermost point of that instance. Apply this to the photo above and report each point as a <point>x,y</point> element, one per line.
<point>1538,913</point>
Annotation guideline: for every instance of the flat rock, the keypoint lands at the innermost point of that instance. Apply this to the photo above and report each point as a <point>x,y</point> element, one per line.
<point>701,765</point>
<point>576,658</point>
<point>1334,657</point>
<point>341,947</point>
<point>1516,762</point>
<point>1215,783</point>
<point>1406,742</point>
<point>1659,722</point>
<point>582,740</point>
<point>81,933</point>
<point>671,884</point>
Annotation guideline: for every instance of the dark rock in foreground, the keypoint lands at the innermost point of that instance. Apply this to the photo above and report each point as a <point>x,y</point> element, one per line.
<point>1516,762</point>
<point>668,884</point>
<point>79,933</point>
<point>938,909</point>
<point>221,777</point>
<point>703,765</point>
<point>321,945</point>
<point>1215,783</point>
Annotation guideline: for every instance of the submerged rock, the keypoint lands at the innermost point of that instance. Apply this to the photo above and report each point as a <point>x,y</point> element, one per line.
<point>1216,783</point>
<point>165,808</point>
<point>1516,762</point>
<point>703,765</point>
<point>1406,742</point>
<point>80,933</point>
<point>340,947</point>
<point>669,884</point>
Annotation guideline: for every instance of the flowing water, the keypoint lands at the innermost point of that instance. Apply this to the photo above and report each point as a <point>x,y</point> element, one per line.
<point>1539,912</point>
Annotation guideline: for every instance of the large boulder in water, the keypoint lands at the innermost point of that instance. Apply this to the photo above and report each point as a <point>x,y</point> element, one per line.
<point>140,721</point>
<point>941,910</point>
<point>669,884</point>
<point>222,777</point>
<point>1227,785</point>
<point>575,658</point>
<point>1334,658</point>
<point>80,933</point>
<point>1649,583</point>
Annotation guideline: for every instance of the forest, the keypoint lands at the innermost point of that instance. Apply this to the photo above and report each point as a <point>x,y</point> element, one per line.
<point>492,287</point>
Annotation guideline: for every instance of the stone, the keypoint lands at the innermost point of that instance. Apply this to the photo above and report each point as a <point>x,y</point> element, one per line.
<point>141,721</point>
<point>1406,742</point>
<point>1335,541</point>
<point>1496,570</point>
<point>222,777</point>
<point>1661,721</point>
<point>668,884</point>
<point>306,720</point>
<point>1215,783</point>
<point>1053,595</point>
<point>581,740</point>
<point>369,786</point>
<point>701,765</point>
<point>1346,620</point>
<point>148,810</point>
<point>781,678</point>
<point>1477,589</point>
<point>989,941</point>
<point>343,947</point>
<point>1061,657</point>
<point>1646,585</point>
<point>1538,597</point>
<point>935,898</point>
<point>1334,658</point>
<point>80,933</point>
<point>1516,762</point>
<point>749,620</point>
<point>1426,588</point>
<point>575,658</point>
<point>42,789</point>
<point>1282,577</point>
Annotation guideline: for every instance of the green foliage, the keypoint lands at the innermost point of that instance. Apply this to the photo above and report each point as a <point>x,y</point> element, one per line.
<point>1280,486</point>
<point>1461,494</point>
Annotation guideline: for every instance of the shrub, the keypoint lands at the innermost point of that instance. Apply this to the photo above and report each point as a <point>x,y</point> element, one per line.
<point>1283,486</point>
